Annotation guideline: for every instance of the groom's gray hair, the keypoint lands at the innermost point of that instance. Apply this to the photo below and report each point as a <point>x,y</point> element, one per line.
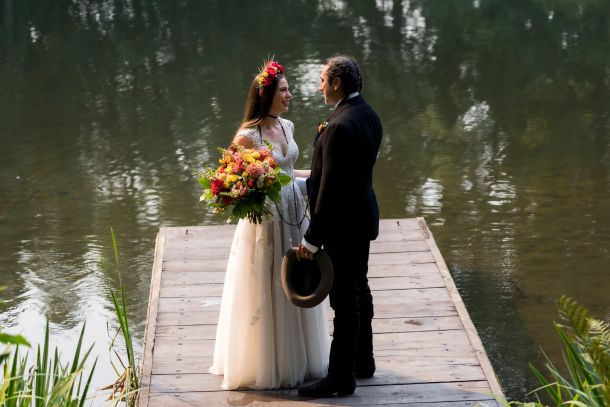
<point>346,69</point>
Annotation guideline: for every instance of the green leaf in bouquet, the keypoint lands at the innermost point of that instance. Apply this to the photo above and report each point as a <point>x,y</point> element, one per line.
<point>240,209</point>
<point>284,178</point>
<point>204,182</point>
<point>274,191</point>
<point>252,208</point>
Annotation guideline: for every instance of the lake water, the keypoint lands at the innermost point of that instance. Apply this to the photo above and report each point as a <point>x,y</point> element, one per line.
<point>496,122</point>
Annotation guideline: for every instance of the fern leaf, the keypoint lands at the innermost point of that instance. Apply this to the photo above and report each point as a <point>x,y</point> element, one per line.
<point>576,314</point>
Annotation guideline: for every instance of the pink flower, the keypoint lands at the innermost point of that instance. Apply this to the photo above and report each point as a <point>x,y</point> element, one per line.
<point>254,171</point>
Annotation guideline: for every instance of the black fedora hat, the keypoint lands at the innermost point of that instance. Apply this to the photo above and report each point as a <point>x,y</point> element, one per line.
<point>306,282</point>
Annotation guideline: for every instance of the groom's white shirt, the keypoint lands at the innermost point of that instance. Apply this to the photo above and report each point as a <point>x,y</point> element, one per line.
<point>304,242</point>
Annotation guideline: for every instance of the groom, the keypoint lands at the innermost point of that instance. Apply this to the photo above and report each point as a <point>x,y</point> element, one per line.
<point>344,219</point>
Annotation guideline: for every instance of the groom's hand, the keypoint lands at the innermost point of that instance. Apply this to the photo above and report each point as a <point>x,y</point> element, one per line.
<point>303,253</point>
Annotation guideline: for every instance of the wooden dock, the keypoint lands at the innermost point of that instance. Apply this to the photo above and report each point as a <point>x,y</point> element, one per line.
<point>427,350</point>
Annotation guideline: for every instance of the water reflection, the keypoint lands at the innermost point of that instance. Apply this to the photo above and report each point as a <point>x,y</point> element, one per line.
<point>496,121</point>
<point>306,82</point>
<point>418,39</point>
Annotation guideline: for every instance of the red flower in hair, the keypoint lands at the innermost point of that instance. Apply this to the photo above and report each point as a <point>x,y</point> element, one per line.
<point>268,75</point>
<point>277,66</point>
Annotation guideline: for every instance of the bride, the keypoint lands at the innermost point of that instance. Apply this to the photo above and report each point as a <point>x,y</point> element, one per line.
<point>262,339</point>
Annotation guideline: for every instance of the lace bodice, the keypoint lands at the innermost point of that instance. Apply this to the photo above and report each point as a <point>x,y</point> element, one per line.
<point>286,162</point>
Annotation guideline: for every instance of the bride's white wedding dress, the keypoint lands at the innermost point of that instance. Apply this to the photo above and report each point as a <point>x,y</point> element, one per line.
<point>262,339</point>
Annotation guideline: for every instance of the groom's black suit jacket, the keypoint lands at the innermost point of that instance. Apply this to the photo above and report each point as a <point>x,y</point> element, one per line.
<point>341,197</point>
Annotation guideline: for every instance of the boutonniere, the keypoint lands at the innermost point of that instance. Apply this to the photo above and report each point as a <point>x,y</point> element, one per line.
<point>322,126</point>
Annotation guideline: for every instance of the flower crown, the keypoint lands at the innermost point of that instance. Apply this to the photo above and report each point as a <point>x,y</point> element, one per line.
<point>268,75</point>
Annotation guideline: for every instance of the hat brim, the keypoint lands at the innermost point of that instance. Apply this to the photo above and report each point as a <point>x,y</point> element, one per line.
<point>306,283</point>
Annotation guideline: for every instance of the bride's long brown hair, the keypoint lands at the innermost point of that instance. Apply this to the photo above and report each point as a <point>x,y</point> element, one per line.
<point>259,99</point>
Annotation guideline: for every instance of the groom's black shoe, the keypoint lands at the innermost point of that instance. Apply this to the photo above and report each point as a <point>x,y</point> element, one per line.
<point>365,370</point>
<point>327,388</point>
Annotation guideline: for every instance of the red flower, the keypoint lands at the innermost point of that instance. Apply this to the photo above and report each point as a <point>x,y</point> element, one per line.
<point>277,66</point>
<point>226,200</point>
<point>217,186</point>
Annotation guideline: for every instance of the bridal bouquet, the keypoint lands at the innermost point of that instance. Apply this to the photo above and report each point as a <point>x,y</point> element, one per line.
<point>242,183</point>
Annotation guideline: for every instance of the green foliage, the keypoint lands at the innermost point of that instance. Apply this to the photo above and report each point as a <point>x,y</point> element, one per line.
<point>586,357</point>
<point>253,208</point>
<point>48,382</point>
<point>204,181</point>
<point>14,339</point>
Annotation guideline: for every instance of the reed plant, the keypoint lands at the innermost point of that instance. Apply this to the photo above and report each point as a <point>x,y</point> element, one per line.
<point>127,386</point>
<point>48,382</point>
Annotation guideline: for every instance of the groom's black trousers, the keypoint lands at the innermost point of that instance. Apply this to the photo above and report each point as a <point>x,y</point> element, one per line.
<point>351,299</point>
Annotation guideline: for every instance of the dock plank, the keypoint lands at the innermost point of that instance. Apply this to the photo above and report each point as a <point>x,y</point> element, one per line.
<point>420,324</point>
<point>448,392</point>
<point>414,365</point>
<point>392,372</point>
<point>427,350</point>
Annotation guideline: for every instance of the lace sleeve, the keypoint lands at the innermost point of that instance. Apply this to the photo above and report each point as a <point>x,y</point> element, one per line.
<point>252,134</point>
<point>290,126</point>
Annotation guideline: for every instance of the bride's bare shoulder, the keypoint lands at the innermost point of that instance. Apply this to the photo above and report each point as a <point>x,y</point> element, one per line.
<point>246,137</point>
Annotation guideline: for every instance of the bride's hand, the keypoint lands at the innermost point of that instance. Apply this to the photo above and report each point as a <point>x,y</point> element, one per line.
<point>303,253</point>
